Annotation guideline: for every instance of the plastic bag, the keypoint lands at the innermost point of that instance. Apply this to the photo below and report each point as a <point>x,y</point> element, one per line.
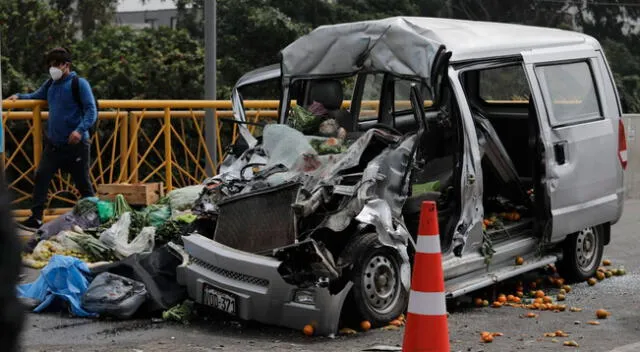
<point>66,242</point>
<point>105,210</point>
<point>87,220</point>
<point>47,249</point>
<point>63,278</point>
<point>157,214</point>
<point>184,198</point>
<point>117,238</point>
<point>114,295</point>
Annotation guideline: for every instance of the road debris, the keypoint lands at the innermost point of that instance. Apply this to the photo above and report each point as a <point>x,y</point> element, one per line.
<point>570,344</point>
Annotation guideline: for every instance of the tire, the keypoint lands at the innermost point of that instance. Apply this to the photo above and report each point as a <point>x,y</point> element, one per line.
<point>377,294</point>
<point>582,252</point>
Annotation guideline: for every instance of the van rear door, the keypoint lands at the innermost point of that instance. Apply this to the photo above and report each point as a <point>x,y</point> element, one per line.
<point>580,137</point>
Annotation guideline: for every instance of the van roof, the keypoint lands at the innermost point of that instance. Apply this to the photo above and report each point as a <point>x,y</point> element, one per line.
<point>475,39</point>
<point>409,45</point>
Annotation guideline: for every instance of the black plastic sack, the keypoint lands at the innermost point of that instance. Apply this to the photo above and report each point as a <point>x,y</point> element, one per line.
<point>114,295</point>
<point>157,270</point>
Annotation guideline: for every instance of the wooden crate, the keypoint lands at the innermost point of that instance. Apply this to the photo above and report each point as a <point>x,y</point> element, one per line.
<point>135,194</point>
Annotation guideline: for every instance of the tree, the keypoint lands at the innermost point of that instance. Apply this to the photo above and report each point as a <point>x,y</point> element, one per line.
<point>29,28</point>
<point>90,14</point>
<point>123,63</point>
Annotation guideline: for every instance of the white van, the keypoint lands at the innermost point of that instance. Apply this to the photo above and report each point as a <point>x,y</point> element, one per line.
<point>514,131</point>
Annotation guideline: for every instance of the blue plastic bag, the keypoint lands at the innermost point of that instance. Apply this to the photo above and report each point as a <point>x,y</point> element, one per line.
<point>64,278</point>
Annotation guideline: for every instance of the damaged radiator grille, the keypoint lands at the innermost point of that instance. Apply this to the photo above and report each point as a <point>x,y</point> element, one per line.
<point>259,221</point>
<point>231,274</point>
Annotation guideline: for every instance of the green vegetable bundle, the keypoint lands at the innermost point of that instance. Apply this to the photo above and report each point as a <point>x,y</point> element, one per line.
<point>120,206</point>
<point>96,250</point>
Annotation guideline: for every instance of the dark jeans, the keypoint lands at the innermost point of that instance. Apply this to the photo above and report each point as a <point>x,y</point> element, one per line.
<point>73,159</point>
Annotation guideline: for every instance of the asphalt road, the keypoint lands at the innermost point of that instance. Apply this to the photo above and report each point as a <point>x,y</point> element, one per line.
<point>619,295</point>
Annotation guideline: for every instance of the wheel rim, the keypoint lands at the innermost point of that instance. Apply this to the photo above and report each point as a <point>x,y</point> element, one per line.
<point>587,249</point>
<point>381,284</point>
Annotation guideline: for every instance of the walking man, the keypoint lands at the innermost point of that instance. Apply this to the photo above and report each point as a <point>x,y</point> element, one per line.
<point>72,112</point>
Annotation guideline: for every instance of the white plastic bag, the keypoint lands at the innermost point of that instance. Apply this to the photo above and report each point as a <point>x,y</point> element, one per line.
<point>117,238</point>
<point>184,198</point>
<point>68,243</point>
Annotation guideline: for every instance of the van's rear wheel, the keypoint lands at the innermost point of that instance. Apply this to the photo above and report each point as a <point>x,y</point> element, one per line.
<point>377,294</point>
<point>582,253</point>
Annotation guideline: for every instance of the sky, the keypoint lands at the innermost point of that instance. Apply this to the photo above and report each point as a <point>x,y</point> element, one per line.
<point>136,5</point>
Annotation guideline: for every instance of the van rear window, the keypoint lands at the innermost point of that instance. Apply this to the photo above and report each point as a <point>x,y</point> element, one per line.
<point>570,93</point>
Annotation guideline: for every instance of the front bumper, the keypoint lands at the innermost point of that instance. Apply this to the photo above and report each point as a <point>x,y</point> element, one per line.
<point>261,293</point>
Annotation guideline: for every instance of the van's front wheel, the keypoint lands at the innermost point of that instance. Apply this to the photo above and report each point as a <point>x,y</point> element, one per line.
<point>582,253</point>
<point>377,294</point>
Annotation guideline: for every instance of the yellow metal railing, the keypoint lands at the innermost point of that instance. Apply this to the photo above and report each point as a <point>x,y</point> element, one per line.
<point>135,141</point>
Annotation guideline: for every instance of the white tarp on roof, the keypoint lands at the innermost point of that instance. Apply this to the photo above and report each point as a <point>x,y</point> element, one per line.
<point>396,45</point>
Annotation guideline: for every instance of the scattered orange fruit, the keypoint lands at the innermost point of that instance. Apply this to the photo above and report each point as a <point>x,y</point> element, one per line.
<point>562,291</point>
<point>395,322</point>
<point>497,304</point>
<point>561,307</point>
<point>559,282</point>
<point>602,314</point>
<point>502,298</point>
<point>560,297</point>
<point>308,330</point>
<point>519,294</point>
<point>485,303</point>
<point>539,294</point>
<point>547,299</point>
<point>592,281</point>
<point>365,325</point>
<point>560,333</point>
<point>600,275</point>
<point>593,322</point>
<point>571,343</point>
<point>494,334</point>
<point>608,273</point>
<point>531,315</point>
<point>567,288</point>
<point>606,262</point>
<point>478,302</point>
<point>516,300</point>
<point>519,260</point>
<point>487,338</point>
<point>511,298</point>
<point>575,309</point>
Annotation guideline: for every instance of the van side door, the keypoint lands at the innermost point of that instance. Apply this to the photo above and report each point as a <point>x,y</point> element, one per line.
<point>579,131</point>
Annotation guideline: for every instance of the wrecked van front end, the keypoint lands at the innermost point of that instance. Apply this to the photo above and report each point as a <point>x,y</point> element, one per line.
<point>285,240</point>
<point>310,215</point>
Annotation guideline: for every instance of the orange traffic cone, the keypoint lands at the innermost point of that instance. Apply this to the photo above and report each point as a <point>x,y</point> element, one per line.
<point>427,328</point>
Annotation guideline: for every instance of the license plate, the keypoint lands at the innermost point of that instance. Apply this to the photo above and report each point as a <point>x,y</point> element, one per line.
<point>223,301</point>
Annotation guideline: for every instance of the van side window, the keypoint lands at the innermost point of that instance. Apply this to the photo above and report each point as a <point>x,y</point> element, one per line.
<point>507,84</point>
<point>402,96</point>
<point>371,97</point>
<point>569,92</point>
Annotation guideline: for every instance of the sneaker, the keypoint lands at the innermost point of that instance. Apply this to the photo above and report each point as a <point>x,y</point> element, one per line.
<point>31,224</point>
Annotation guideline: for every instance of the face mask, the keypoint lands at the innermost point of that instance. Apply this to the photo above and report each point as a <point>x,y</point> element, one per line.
<point>55,73</point>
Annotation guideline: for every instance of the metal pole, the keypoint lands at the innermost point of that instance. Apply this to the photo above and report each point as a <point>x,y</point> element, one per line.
<point>210,121</point>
